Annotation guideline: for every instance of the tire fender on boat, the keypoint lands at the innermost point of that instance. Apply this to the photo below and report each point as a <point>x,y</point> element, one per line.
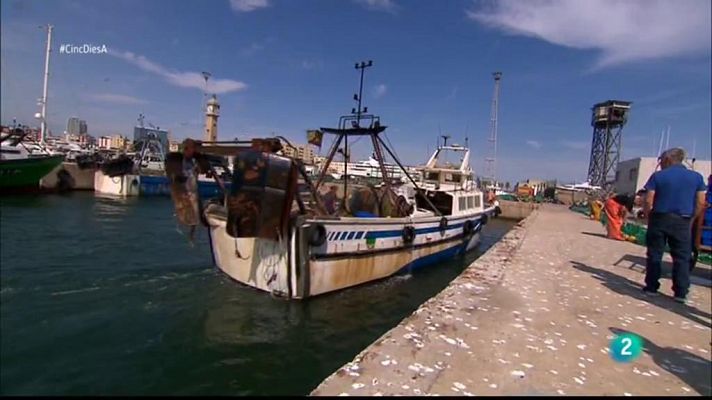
<point>485,219</point>
<point>408,234</point>
<point>468,227</point>
<point>443,225</point>
<point>316,234</point>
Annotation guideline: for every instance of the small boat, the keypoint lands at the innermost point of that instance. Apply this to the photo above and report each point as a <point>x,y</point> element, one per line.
<point>263,234</point>
<point>76,172</point>
<point>21,166</point>
<point>117,177</point>
<point>153,180</point>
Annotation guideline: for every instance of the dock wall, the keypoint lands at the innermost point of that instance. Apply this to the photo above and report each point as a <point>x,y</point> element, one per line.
<point>535,315</point>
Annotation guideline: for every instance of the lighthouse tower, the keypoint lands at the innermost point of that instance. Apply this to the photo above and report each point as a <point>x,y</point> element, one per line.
<point>212,112</point>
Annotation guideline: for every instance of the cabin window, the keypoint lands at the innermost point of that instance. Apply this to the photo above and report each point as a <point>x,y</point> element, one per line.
<point>442,201</point>
<point>470,202</point>
<point>461,203</point>
<point>477,201</point>
<point>452,178</point>
<point>432,176</point>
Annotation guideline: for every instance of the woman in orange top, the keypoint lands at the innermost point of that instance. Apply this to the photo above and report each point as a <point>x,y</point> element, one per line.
<point>616,209</point>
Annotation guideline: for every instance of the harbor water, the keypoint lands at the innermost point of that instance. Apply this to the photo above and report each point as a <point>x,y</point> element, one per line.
<point>107,296</point>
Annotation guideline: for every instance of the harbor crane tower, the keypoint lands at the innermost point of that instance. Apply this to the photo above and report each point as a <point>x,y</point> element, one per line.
<point>607,120</point>
<point>491,159</point>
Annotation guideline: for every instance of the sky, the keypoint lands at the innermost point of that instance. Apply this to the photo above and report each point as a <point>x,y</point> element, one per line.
<point>280,67</point>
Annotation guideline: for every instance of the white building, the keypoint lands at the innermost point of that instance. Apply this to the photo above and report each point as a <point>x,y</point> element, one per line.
<point>303,152</point>
<point>631,175</point>
<point>104,142</point>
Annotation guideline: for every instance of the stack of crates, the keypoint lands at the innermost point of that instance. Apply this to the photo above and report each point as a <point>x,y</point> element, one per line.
<point>707,224</point>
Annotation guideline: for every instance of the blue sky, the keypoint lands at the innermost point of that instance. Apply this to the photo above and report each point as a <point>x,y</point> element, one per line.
<point>286,66</point>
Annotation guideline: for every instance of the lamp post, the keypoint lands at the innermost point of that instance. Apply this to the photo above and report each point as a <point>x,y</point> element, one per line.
<point>42,115</point>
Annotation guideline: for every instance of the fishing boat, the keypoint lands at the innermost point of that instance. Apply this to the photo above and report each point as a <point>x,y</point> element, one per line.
<point>154,182</point>
<point>22,167</point>
<point>117,177</point>
<point>263,234</point>
<point>76,172</point>
<point>151,170</point>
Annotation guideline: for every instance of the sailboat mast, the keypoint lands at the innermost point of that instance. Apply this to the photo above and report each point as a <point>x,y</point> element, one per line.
<point>43,126</point>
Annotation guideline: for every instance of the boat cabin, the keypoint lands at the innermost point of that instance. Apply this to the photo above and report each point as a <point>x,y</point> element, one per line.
<point>450,188</point>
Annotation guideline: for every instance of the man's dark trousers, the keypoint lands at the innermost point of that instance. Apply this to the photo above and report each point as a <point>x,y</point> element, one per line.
<point>675,231</point>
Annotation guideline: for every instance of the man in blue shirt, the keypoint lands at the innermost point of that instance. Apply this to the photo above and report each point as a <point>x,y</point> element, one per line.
<point>675,195</point>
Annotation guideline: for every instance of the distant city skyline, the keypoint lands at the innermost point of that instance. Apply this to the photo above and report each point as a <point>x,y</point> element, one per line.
<point>283,67</point>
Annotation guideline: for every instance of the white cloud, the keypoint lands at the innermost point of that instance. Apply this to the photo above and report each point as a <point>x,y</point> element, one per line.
<point>623,31</point>
<point>116,98</point>
<point>311,64</point>
<point>257,46</point>
<point>534,144</point>
<point>248,5</point>
<point>252,49</point>
<point>575,145</point>
<point>378,5</point>
<point>183,79</point>
<point>379,90</point>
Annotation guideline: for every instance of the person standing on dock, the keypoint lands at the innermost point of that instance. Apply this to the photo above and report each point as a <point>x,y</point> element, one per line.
<point>616,209</point>
<point>697,224</point>
<point>675,196</point>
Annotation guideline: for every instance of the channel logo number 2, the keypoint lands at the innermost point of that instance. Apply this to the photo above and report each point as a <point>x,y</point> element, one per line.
<point>626,347</point>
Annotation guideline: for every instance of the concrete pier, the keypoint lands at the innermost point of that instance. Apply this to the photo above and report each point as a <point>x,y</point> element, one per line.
<point>534,316</point>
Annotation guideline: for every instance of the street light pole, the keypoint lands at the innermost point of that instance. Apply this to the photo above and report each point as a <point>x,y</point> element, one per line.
<point>43,116</point>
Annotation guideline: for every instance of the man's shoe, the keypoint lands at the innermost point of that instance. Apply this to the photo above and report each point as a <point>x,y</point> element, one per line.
<point>649,292</point>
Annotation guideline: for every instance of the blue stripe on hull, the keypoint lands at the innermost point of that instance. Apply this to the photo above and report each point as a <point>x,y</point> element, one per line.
<point>398,233</point>
<point>160,186</point>
<point>210,189</point>
<point>154,186</point>
<point>435,257</point>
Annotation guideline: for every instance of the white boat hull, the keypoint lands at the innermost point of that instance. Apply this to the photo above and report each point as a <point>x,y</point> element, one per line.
<point>81,179</point>
<point>356,251</point>
<point>124,185</point>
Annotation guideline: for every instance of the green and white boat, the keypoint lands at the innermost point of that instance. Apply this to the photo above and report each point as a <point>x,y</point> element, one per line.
<point>22,165</point>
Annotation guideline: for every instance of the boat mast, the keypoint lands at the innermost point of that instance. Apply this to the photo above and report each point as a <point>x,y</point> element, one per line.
<point>362,66</point>
<point>43,126</point>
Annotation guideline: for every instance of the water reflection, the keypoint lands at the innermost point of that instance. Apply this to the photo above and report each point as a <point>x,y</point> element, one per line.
<point>87,280</point>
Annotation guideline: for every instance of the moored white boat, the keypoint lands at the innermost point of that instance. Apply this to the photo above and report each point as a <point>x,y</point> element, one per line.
<point>264,236</point>
<point>125,185</point>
